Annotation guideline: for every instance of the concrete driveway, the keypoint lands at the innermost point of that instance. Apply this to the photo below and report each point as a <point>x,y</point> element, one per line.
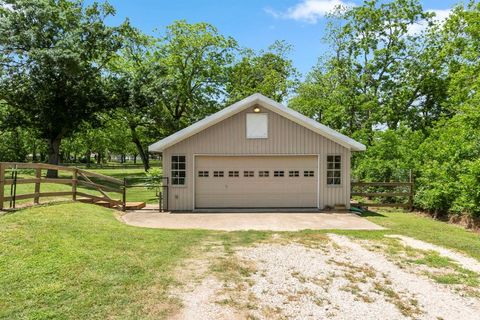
<point>248,221</point>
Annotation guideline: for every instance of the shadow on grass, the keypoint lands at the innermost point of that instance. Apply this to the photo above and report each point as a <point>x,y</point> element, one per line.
<point>369,213</point>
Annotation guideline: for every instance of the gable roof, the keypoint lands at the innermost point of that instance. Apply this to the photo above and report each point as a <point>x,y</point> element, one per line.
<point>265,102</point>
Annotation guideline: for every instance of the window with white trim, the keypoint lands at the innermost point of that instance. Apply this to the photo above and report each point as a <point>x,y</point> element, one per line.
<point>178,170</point>
<point>334,170</point>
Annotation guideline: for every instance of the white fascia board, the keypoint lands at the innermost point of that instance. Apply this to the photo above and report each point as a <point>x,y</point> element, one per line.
<point>267,103</point>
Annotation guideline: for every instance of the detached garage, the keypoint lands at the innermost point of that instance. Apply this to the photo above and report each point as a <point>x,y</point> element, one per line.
<point>257,153</point>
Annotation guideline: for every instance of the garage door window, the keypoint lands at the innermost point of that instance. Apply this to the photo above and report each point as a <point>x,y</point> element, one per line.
<point>334,170</point>
<point>278,173</point>
<point>178,170</point>
<point>263,173</point>
<point>308,173</point>
<point>218,174</point>
<point>248,174</point>
<point>233,174</point>
<point>203,174</point>
<point>293,173</point>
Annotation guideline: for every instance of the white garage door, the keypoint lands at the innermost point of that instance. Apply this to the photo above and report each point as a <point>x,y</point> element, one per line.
<point>256,182</point>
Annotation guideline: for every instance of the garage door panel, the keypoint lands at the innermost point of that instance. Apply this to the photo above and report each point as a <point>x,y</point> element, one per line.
<point>256,191</point>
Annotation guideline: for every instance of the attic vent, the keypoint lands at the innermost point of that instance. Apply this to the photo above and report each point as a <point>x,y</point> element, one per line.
<point>257,125</point>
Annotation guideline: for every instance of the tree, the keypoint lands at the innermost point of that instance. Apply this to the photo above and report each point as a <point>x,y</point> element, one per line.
<point>135,85</point>
<point>53,55</point>
<point>379,73</point>
<point>449,158</point>
<point>270,73</point>
<point>195,58</point>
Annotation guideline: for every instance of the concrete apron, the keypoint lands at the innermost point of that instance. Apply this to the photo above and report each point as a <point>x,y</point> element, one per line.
<point>267,221</point>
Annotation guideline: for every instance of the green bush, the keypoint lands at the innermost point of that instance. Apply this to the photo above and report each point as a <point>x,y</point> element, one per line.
<point>445,163</point>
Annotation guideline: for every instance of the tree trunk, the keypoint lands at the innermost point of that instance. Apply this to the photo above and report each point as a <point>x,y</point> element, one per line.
<point>34,151</point>
<point>53,155</point>
<point>87,157</point>
<point>135,158</point>
<point>141,152</point>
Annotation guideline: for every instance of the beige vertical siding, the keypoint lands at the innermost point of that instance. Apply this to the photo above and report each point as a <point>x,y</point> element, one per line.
<point>285,137</point>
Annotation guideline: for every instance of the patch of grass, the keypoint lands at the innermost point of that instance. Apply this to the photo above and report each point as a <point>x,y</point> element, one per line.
<point>460,276</point>
<point>408,307</point>
<point>231,240</point>
<point>428,230</point>
<point>307,238</point>
<point>434,260</point>
<point>76,261</point>
<point>230,268</point>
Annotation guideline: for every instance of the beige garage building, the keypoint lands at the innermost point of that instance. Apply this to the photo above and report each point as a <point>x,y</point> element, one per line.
<point>257,153</point>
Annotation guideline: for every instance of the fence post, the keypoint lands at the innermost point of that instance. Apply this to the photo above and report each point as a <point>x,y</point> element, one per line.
<point>74,184</point>
<point>14,188</point>
<point>2,184</point>
<point>410,197</point>
<point>124,195</point>
<point>38,175</point>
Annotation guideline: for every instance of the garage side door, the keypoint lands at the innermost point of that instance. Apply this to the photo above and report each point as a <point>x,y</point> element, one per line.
<point>256,182</point>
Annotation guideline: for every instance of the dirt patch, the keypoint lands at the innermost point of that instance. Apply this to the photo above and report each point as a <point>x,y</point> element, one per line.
<point>204,302</point>
<point>466,221</point>
<point>200,292</point>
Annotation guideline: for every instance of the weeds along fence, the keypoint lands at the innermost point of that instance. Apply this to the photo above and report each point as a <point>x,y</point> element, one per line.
<point>21,181</point>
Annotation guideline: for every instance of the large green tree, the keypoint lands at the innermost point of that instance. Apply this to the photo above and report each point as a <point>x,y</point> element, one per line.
<point>136,87</point>
<point>53,55</point>
<point>379,73</point>
<point>269,72</point>
<point>195,58</point>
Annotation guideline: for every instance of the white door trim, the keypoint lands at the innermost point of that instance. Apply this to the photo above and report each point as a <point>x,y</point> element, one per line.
<point>318,181</point>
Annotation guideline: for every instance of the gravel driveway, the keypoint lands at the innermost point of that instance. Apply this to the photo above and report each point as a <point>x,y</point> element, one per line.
<point>336,277</point>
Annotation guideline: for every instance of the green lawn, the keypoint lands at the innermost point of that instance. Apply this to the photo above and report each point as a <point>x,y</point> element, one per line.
<point>429,230</point>
<point>76,261</point>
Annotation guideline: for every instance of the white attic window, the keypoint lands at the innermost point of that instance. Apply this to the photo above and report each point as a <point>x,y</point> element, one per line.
<point>257,125</point>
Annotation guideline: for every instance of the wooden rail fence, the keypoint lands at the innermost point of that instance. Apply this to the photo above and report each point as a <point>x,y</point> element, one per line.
<point>76,177</point>
<point>408,186</point>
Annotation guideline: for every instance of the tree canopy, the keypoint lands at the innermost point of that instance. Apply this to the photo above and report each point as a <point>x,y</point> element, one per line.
<point>53,54</point>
